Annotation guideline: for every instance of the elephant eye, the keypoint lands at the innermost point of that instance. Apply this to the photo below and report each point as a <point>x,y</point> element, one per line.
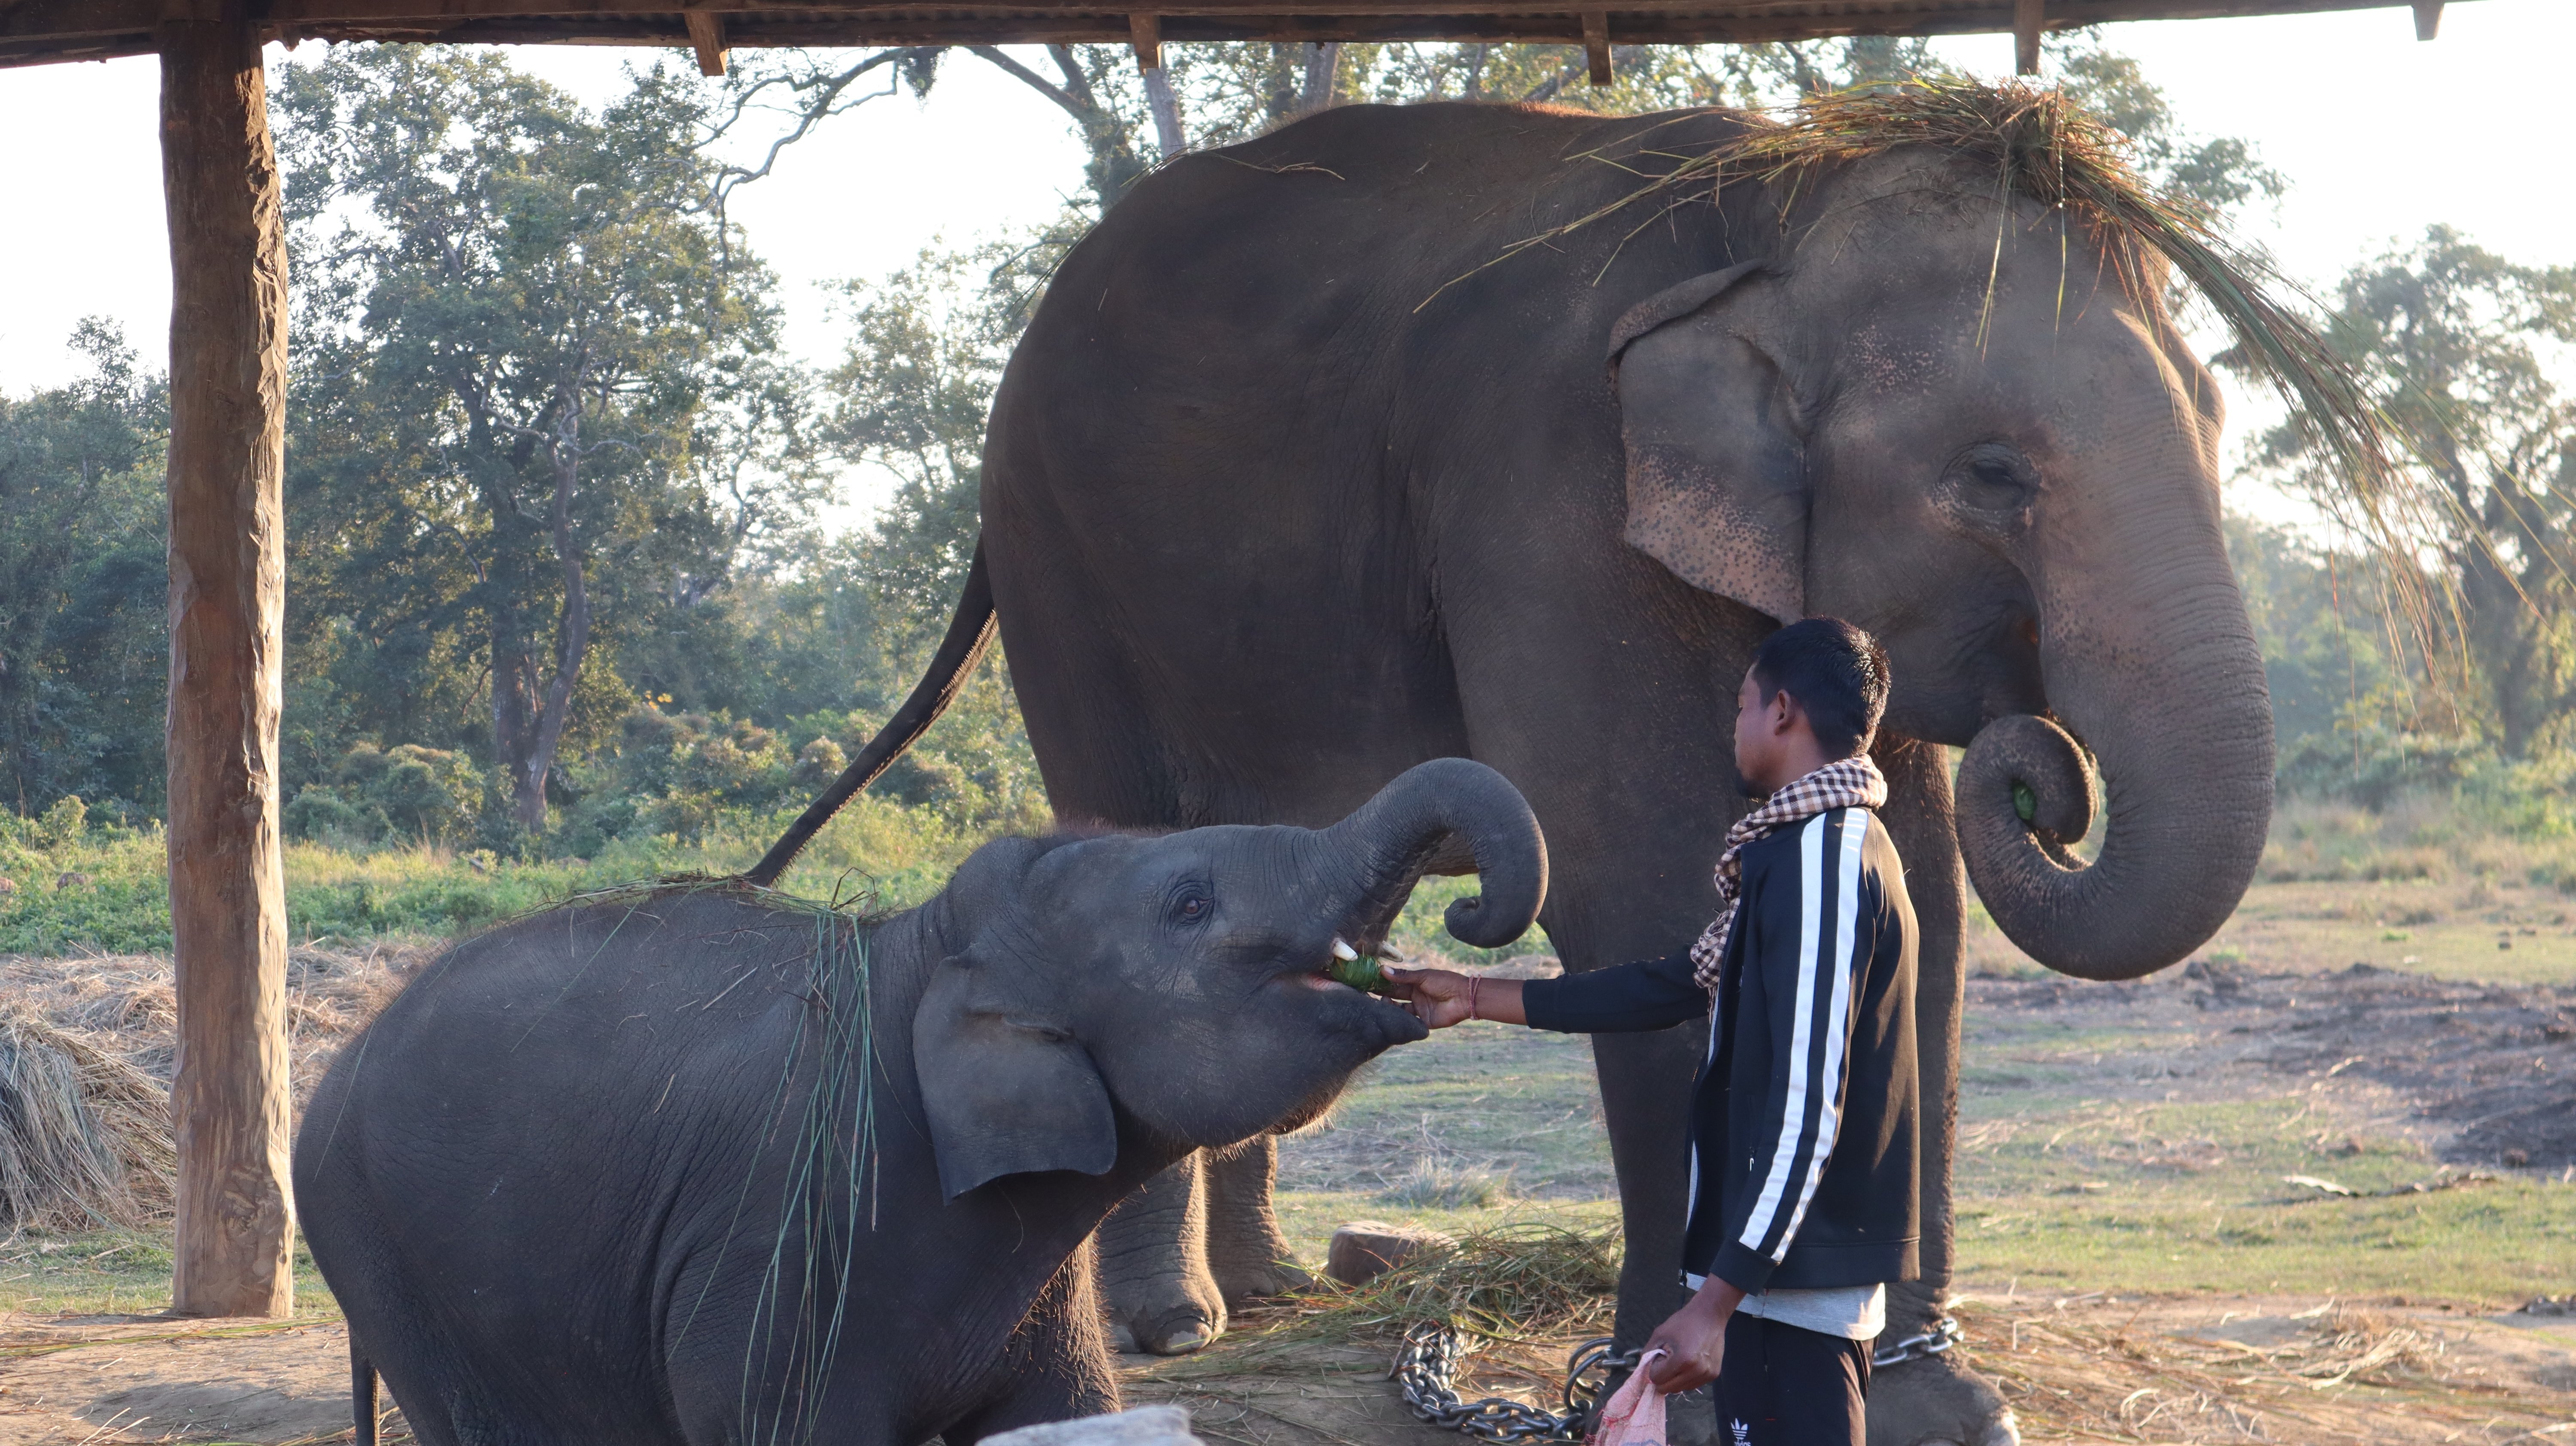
<point>1992,482</point>
<point>1190,904</point>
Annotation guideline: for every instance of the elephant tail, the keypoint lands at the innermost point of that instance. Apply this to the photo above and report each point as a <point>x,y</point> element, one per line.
<point>970,632</point>
<point>362,1393</point>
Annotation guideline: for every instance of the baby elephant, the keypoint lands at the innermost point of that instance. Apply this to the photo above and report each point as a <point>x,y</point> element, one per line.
<point>698,1164</point>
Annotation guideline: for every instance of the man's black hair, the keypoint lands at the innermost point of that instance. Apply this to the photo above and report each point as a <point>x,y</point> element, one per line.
<point>1838,674</point>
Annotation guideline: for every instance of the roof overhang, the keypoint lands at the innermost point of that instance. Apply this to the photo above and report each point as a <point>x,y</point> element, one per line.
<point>40,31</point>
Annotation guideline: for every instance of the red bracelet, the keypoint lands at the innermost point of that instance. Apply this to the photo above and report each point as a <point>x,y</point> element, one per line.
<point>1475,982</point>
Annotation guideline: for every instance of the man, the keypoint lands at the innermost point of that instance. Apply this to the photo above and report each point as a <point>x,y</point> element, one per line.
<point>1803,1126</point>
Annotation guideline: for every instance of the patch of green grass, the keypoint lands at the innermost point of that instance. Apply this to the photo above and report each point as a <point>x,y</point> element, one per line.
<point>109,1272</point>
<point>2103,1195</point>
<point>1421,931</point>
<point>1475,1126</point>
<point>106,888</point>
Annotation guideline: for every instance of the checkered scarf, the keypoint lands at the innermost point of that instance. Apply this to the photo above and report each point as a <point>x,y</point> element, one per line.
<point>1844,783</point>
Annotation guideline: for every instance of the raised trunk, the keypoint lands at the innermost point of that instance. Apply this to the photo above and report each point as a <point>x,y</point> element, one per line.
<point>1422,817</point>
<point>2150,662</point>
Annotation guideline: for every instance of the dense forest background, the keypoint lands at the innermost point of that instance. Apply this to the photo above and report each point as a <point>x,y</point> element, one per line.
<point>556,584</point>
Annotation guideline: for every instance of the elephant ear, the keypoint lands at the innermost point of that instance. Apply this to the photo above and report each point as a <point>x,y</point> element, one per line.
<point>1008,1090</point>
<point>1716,466</point>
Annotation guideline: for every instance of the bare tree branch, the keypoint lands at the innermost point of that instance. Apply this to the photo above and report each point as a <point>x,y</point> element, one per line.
<point>1078,109</point>
<point>822,103</point>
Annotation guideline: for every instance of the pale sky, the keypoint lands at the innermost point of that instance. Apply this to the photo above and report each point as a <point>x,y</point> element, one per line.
<point>2380,136</point>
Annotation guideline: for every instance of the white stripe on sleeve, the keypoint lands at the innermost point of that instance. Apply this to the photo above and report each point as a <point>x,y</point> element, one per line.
<point>1838,1024</point>
<point>1793,1116</point>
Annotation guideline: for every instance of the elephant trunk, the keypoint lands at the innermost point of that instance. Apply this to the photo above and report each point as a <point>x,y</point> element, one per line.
<point>2159,676</point>
<point>1394,838</point>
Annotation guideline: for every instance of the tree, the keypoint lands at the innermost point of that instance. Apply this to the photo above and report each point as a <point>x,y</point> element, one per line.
<point>2457,339</point>
<point>84,637</point>
<point>541,377</point>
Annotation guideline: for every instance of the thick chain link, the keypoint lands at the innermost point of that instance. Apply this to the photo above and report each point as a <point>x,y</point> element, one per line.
<point>1943,1336</point>
<point>1427,1365</point>
<point>1427,1368</point>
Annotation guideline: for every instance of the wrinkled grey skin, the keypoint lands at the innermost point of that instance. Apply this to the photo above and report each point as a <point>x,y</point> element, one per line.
<point>1284,493</point>
<point>546,1184</point>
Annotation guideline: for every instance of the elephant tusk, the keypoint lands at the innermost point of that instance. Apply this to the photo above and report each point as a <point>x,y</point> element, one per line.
<point>1343,951</point>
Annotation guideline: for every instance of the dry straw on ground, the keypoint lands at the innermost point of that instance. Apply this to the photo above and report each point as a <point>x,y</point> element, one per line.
<point>1512,1281</point>
<point>2350,1374</point>
<point>84,1135</point>
<point>86,1047</point>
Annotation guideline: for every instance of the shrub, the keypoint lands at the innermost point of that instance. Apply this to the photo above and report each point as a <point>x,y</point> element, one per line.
<point>401,793</point>
<point>321,813</point>
<point>60,826</point>
<point>2372,767</point>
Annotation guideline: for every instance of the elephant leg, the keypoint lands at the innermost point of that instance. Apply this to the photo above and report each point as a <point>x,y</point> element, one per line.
<point>1057,1364</point>
<point>1641,1075</point>
<point>1155,1290</point>
<point>1937,1398</point>
<point>1246,1254</point>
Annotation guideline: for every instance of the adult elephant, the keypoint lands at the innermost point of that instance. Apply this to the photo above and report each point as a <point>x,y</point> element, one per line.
<point>1304,473</point>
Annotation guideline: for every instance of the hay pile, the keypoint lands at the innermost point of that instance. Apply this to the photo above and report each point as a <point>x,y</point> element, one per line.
<point>1525,1280</point>
<point>84,1135</point>
<point>86,1048</point>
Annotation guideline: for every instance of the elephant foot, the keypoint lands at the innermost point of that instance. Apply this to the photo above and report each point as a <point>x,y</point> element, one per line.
<point>1240,1282</point>
<point>1938,1401</point>
<point>1170,1327</point>
<point>1246,1251</point>
<point>1156,1295</point>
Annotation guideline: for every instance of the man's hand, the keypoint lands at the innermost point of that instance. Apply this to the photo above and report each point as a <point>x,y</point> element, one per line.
<point>1694,1339</point>
<point>1437,997</point>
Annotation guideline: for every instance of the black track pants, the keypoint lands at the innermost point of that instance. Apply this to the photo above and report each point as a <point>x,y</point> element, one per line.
<point>1782,1386</point>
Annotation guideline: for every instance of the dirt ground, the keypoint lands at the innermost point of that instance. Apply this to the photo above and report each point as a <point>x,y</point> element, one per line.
<point>2235,1097</point>
<point>2485,1073</point>
<point>2289,1369</point>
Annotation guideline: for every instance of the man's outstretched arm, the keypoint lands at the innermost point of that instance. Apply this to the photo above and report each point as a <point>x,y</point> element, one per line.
<point>1647,994</point>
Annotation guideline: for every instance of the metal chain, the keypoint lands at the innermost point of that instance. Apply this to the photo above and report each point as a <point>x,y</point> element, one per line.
<point>1428,1364</point>
<point>1943,1336</point>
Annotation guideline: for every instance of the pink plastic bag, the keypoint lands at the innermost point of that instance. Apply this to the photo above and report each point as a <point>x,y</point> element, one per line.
<point>1635,1415</point>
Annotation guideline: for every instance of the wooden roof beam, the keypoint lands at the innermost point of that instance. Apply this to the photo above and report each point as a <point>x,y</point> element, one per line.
<point>707,38</point>
<point>40,31</point>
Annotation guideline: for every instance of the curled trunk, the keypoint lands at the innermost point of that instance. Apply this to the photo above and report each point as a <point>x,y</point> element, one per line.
<point>2163,684</point>
<point>1395,837</point>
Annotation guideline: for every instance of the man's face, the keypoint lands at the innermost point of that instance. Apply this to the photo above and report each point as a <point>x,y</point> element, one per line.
<point>1758,734</point>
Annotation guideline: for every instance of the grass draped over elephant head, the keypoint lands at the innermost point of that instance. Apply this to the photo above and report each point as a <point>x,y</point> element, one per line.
<point>2044,146</point>
<point>821,1130</point>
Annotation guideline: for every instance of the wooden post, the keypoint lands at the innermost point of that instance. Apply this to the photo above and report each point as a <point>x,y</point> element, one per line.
<point>2028,16</point>
<point>236,1220</point>
<point>2428,19</point>
<point>707,38</point>
<point>1145,32</point>
<point>1596,45</point>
